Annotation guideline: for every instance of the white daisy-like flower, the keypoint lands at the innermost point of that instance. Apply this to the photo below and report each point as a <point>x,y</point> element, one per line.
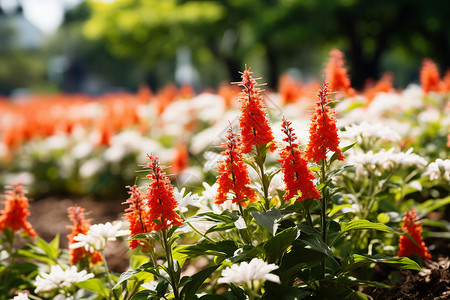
<point>185,200</point>
<point>59,279</point>
<point>21,296</point>
<point>256,269</point>
<point>438,170</point>
<point>98,235</point>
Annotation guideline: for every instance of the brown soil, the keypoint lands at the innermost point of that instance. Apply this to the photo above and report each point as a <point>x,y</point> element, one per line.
<point>49,218</point>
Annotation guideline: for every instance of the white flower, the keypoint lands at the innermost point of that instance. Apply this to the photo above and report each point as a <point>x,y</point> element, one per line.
<point>366,130</point>
<point>256,269</point>
<point>21,296</point>
<point>185,200</point>
<point>59,279</point>
<point>97,236</point>
<point>240,223</point>
<point>384,160</point>
<point>439,169</point>
<point>91,167</point>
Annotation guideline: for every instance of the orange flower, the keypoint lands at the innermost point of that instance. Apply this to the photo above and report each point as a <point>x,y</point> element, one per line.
<point>80,225</point>
<point>429,76</point>
<point>255,128</point>
<point>16,211</point>
<point>406,246</point>
<point>161,201</point>
<point>336,73</point>
<point>323,131</point>
<point>181,159</point>
<point>234,174</point>
<point>136,214</point>
<point>297,176</point>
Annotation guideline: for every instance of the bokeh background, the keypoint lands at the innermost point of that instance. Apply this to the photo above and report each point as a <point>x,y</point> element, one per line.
<point>93,47</point>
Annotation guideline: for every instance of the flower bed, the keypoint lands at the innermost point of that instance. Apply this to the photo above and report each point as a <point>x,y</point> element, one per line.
<point>301,206</point>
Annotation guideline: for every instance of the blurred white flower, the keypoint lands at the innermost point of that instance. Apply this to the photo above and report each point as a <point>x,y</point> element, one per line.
<point>190,176</point>
<point>384,160</point>
<point>429,116</point>
<point>438,170</point>
<point>56,142</point>
<point>21,296</point>
<point>276,183</point>
<point>365,131</point>
<point>91,167</point>
<point>59,279</point>
<point>98,235</point>
<point>240,223</point>
<point>82,149</point>
<point>208,107</point>
<point>256,269</point>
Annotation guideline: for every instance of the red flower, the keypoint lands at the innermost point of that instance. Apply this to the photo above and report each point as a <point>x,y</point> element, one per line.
<point>234,174</point>
<point>336,73</point>
<point>80,225</point>
<point>323,131</point>
<point>429,76</point>
<point>406,246</point>
<point>161,201</point>
<point>136,214</point>
<point>255,128</point>
<point>16,211</point>
<point>297,176</point>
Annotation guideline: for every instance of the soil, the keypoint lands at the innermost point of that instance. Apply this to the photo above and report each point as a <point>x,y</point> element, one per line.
<point>49,218</point>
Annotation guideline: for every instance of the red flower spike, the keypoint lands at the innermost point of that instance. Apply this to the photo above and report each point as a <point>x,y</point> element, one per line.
<point>136,214</point>
<point>297,176</point>
<point>406,246</point>
<point>80,225</point>
<point>429,76</point>
<point>255,128</point>
<point>161,201</point>
<point>16,211</point>
<point>234,174</point>
<point>336,73</point>
<point>323,131</point>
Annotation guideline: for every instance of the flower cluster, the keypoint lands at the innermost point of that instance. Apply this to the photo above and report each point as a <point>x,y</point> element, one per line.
<point>255,128</point>
<point>98,235</point>
<point>15,213</point>
<point>136,214</point>
<point>408,247</point>
<point>438,170</point>
<point>336,73</point>
<point>246,272</point>
<point>323,131</point>
<point>297,177</point>
<point>59,280</point>
<point>233,173</point>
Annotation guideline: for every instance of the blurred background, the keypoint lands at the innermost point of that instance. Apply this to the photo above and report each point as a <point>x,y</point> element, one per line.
<point>93,47</point>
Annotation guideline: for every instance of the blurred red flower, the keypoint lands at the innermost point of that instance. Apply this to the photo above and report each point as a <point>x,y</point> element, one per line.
<point>429,76</point>
<point>408,247</point>
<point>336,73</point>
<point>16,211</point>
<point>80,225</point>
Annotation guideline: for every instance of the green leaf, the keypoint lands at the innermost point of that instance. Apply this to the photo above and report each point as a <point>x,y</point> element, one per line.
<point>196,282</point>
<point>142,295</point>
<point>268,220</point>
<point>223,248</point>
<point>364,224</point>
<point>358,261</point>
<point>94,285</point>
<point>51,249</point>
<point>433,204</point>
<point>277,245</point>
<point>337,208</point>
<point>130,273</point>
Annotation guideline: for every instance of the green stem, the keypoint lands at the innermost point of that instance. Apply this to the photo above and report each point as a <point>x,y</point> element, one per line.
<point>195,229</point>
<point>170,264</point>
<point>105,264</point>
<point>260,162</point>
<point>324,211</point>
